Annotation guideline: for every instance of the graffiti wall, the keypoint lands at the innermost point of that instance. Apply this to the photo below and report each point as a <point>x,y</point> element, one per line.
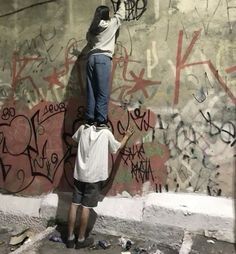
<point>173,79</point>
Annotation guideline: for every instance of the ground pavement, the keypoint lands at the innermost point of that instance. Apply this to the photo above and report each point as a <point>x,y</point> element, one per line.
<point>45,245</point>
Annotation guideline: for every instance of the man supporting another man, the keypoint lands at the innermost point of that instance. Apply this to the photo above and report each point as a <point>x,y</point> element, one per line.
<point>91,170</point>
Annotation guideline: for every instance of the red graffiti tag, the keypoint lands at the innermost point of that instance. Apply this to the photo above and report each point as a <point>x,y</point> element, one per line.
<point>231,69</point>
<point>140,84</point>
<point>54,77</point>
<point>18,65</point>
<point>181,64</point>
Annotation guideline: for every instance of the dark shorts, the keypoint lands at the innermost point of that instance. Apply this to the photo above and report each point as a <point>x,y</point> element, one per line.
<point>86,194</point>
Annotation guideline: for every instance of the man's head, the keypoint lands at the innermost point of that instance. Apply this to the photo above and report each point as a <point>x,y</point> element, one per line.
<point>102,12</point>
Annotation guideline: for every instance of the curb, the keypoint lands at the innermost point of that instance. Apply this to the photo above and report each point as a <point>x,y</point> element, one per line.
<point>161,217</point>
<point>164,217</point>
<point>31,211</point>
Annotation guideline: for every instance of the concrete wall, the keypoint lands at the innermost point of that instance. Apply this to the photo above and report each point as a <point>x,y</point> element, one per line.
<point>173,79</point>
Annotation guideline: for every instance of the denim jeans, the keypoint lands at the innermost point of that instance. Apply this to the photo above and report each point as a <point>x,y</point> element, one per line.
<point>98,79</point>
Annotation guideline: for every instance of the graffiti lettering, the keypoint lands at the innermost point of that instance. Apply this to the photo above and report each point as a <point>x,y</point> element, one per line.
<point>142,170</point>
<point>21,63</point>
<point>53,108</point>
<point>7,113</point>
<point>181,64</point>
<point>141,120</point>
<point>130,153</point>
<point>27,140</point>
<point>227,130</point>
<point>140,84</point>
<point>134,8</point>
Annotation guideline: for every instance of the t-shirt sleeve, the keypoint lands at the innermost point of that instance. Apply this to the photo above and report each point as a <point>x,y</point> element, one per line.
<point>77,134</point>
<point>113,144</point>
<point>119,16</point>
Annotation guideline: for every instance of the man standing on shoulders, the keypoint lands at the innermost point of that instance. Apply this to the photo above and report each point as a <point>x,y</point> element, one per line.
<point>101,39</point>
<point>91,170</point>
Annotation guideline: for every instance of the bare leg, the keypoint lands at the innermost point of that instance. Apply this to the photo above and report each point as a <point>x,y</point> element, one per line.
<point>85,211</point>
<point>71,219</point>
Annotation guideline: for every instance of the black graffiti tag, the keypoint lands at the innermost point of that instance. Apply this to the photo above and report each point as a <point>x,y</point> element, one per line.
<point>227,130</point>
<point>134,8</point>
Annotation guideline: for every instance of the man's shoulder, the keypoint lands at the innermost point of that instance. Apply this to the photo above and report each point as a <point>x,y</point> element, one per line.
<point>106,131</point>
<point>81,128</point>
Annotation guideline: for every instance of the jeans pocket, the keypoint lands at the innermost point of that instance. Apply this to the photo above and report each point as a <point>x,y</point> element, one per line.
<point>100,62</point>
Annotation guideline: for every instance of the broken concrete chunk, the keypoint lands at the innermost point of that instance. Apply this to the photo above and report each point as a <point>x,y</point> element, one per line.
<point>21,237</point>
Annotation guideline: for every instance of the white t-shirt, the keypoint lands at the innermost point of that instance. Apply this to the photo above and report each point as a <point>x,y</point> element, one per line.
<point>105,40</point>
<point>91,163</point>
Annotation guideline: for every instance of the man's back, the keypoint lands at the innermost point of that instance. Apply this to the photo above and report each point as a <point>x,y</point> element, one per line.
<point>92,157</point>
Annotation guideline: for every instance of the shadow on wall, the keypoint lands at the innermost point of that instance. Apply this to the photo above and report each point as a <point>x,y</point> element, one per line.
<point>235,200</point>
<point>109,182</point>
<point>62,214</point>
<point>75,100</point>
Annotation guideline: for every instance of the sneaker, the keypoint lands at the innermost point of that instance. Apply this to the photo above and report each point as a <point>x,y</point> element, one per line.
<point>90,122</point>
<point>70,244</point>
<point>88,242</point>
<point>102,126</point>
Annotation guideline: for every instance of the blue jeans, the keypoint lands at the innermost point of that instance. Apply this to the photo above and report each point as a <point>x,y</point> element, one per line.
<point>98,79</point>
